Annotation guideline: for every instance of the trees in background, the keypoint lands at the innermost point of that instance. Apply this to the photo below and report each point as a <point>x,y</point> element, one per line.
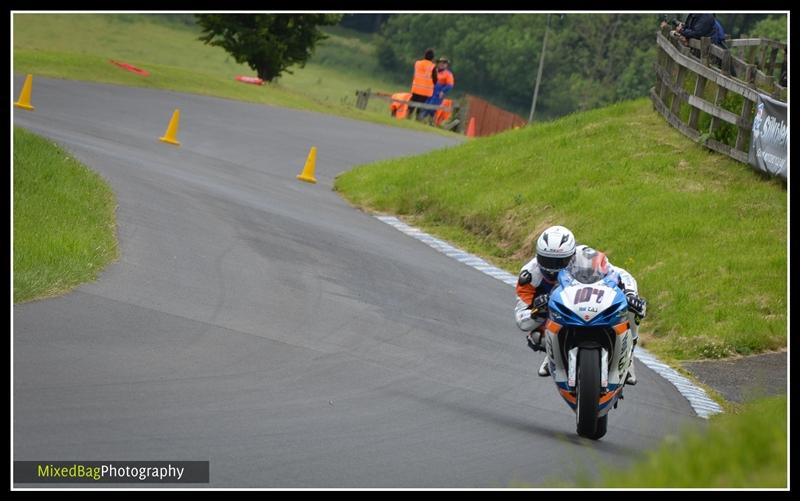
<point>367,23</point>
<point>773,27</point>
<point>592,59</point>
<point>268,43</point>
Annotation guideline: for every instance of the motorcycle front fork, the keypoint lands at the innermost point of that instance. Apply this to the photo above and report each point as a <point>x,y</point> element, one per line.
<point>572,364</point>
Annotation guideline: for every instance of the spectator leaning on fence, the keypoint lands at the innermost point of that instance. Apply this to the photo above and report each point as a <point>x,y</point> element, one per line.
<point>424,78</point>
<point>699,26</point>
<point>664,20</point>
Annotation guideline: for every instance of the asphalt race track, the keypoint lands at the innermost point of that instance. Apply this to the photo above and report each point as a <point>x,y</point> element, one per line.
<point>263,324</point>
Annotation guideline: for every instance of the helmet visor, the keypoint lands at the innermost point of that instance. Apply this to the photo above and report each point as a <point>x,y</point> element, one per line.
<point>553,263</point>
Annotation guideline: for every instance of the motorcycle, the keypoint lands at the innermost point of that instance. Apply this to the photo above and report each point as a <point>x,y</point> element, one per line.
<point>589,345</point>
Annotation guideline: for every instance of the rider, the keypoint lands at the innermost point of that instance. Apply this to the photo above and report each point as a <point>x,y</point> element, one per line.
<point>555,250</point>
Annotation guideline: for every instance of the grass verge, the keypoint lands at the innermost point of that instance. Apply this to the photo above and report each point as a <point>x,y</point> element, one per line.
<point>64,221</point>
<point>744,449</point>
<point>748,449</point>
<point>705,236</point>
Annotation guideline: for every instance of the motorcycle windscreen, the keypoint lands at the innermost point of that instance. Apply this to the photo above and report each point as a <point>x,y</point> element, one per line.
<point>589,266</point>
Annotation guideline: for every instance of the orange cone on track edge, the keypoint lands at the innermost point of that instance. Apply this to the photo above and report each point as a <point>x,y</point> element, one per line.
<point>171,136</point>
<point>471,127</point>
<point>25,96</point>
<point>308,170</point>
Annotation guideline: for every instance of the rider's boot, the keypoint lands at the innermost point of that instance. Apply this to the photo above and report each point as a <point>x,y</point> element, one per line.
<point>631,378</point>
<point>544,369</point>
<point>535,339</point>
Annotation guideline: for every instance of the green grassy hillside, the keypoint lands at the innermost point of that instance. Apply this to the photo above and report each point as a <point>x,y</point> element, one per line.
<point>705,236</point>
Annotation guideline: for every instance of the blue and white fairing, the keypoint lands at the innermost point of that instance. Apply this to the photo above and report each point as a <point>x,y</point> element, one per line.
<point>584,305</point>
<point>588,312</point>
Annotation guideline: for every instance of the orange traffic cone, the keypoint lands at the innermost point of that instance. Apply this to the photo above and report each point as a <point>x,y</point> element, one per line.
<point>172,129</point>
<point>25,96</point>
<point>471,127</point>
<point>308,170</point>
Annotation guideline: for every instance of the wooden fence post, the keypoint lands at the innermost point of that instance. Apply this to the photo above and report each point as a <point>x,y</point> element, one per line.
<point>762,64</point>
<point>699,91</point>
<point>722,92</point>
<point>362,98</point>
<point>744,127</point>
<point>750,75</point>
<point>773,56</point>
<point>660,56</point>
<point>464,114</point>
<point>750,54</point>
<point>675,108</point>
<point>667,74</point>
<point>705,47</point>
<point>726,63</point>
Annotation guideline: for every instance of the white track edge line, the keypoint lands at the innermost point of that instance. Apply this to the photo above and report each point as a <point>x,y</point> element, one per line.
<point>697,397</point>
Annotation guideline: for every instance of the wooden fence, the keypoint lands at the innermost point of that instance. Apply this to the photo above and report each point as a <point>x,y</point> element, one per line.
<point>687,77</point>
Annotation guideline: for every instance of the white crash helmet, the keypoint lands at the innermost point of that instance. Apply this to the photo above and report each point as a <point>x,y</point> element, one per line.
<point>555,249</point>
<point>589,265</point>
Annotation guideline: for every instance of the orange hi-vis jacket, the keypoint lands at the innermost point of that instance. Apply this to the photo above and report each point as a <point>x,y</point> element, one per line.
<point>445,77</point>
<point>423,79</point>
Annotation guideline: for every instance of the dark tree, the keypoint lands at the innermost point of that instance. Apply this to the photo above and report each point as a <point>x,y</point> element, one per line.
<point>367,23</point>
<point>268,43</point>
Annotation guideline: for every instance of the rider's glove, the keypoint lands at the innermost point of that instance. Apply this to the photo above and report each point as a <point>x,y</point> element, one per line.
<point>539,306</point>
<point>636,304</point>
